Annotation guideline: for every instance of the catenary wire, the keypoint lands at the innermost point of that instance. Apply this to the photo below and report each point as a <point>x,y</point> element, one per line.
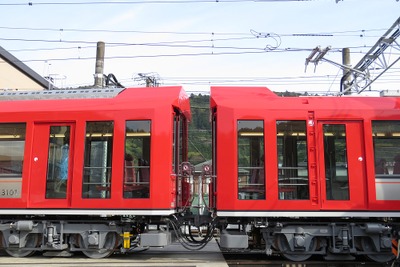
<point>143,2</point>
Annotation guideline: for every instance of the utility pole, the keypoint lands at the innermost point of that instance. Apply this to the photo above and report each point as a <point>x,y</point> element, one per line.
<point>345,81</point>
<point>98,76</point>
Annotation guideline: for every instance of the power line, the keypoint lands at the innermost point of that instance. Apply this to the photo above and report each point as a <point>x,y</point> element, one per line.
<point>172,44</point>
<point>242,51</point>
<point>212,53</point>
<point>147,56</point>
<point>175,43</point>
<point>120,31</point>
<point>354,33</point>
<point>124,44</point>
<point>50,49</point>
<point>144,2</point>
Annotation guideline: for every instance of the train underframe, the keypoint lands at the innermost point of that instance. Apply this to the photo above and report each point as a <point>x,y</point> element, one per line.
<point>296,239</point>
<point>95,237</point>
<point>99,237</point>
<point>301,238</point>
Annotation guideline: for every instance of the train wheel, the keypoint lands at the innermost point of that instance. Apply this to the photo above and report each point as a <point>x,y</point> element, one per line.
<point>283,246</point>
<point>107,250</point>
<point>32,242</point>
<point>368,246</point>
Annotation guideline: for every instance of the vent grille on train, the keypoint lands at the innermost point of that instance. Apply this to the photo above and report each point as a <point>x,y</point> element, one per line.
<point>60,94</point>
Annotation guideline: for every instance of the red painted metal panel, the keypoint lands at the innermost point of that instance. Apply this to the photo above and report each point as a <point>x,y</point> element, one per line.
<point>155,104</point>
<point>238,103</point>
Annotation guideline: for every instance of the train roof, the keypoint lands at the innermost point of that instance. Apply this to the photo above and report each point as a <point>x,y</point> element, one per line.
<point>263,98</point>
<point>88,99</point>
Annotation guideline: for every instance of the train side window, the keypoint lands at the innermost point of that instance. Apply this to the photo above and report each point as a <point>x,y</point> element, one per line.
<point>335,154</point>
<point>386,135</point>
<point>179,147</point>
<point>98,157</point>
<point>292,160</point>
<point>175,144</point>
<point>251,167</point>
<point>12,145</point>
<point>137,159</point>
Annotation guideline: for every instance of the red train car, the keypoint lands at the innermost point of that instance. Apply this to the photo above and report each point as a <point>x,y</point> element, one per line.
<point>93,170</point>
<point>306,175</point>
<point>70,157</point>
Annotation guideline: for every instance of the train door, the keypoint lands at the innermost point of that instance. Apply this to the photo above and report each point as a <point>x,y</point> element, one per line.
<point>342,165</point>
<point>50,181</point>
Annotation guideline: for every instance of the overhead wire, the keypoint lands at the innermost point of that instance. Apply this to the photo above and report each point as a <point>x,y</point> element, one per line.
<point>355,33</point>
<point>181,44</point>
<point>166,43</point>
<point>215,49</point>
<point>142,2</point>
<point>146,56</point>
<point>211,53</point>
<point>174,43</point>
<point>119,31</point>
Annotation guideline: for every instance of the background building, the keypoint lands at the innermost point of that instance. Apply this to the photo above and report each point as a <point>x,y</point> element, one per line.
<point>16,75</point>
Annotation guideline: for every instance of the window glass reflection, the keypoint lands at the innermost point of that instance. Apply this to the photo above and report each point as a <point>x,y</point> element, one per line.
<point>137,159</point>
<point>292,160</point>
<point>251,166</point>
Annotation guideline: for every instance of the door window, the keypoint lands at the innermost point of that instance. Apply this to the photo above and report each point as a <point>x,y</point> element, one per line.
<point>58,161</point>
<point>335,154</point>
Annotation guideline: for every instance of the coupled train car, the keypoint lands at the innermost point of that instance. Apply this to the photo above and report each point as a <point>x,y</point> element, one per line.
<point>307,175</point>
<point>105,170</point>
<point>81,168</point>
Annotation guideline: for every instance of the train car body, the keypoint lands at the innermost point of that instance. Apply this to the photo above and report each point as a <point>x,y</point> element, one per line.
<point>311,175</point>
<point>71,157</point>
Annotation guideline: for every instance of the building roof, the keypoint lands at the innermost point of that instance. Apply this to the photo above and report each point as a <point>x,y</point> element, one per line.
<point>16,64</point>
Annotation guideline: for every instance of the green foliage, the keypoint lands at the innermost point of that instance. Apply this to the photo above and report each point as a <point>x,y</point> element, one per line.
<point>200,146</point>
<point>289,94</point>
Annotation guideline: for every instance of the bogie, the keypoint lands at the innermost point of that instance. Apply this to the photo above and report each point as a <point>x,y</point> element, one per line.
<point>299,242</point>
<point>95,240</point>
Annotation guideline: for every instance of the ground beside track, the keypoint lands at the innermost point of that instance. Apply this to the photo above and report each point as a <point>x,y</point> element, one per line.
<point>173,255</point>
<point>261,260</point>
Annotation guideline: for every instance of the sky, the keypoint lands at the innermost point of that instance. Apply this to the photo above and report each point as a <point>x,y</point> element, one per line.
<point>198,44</point>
